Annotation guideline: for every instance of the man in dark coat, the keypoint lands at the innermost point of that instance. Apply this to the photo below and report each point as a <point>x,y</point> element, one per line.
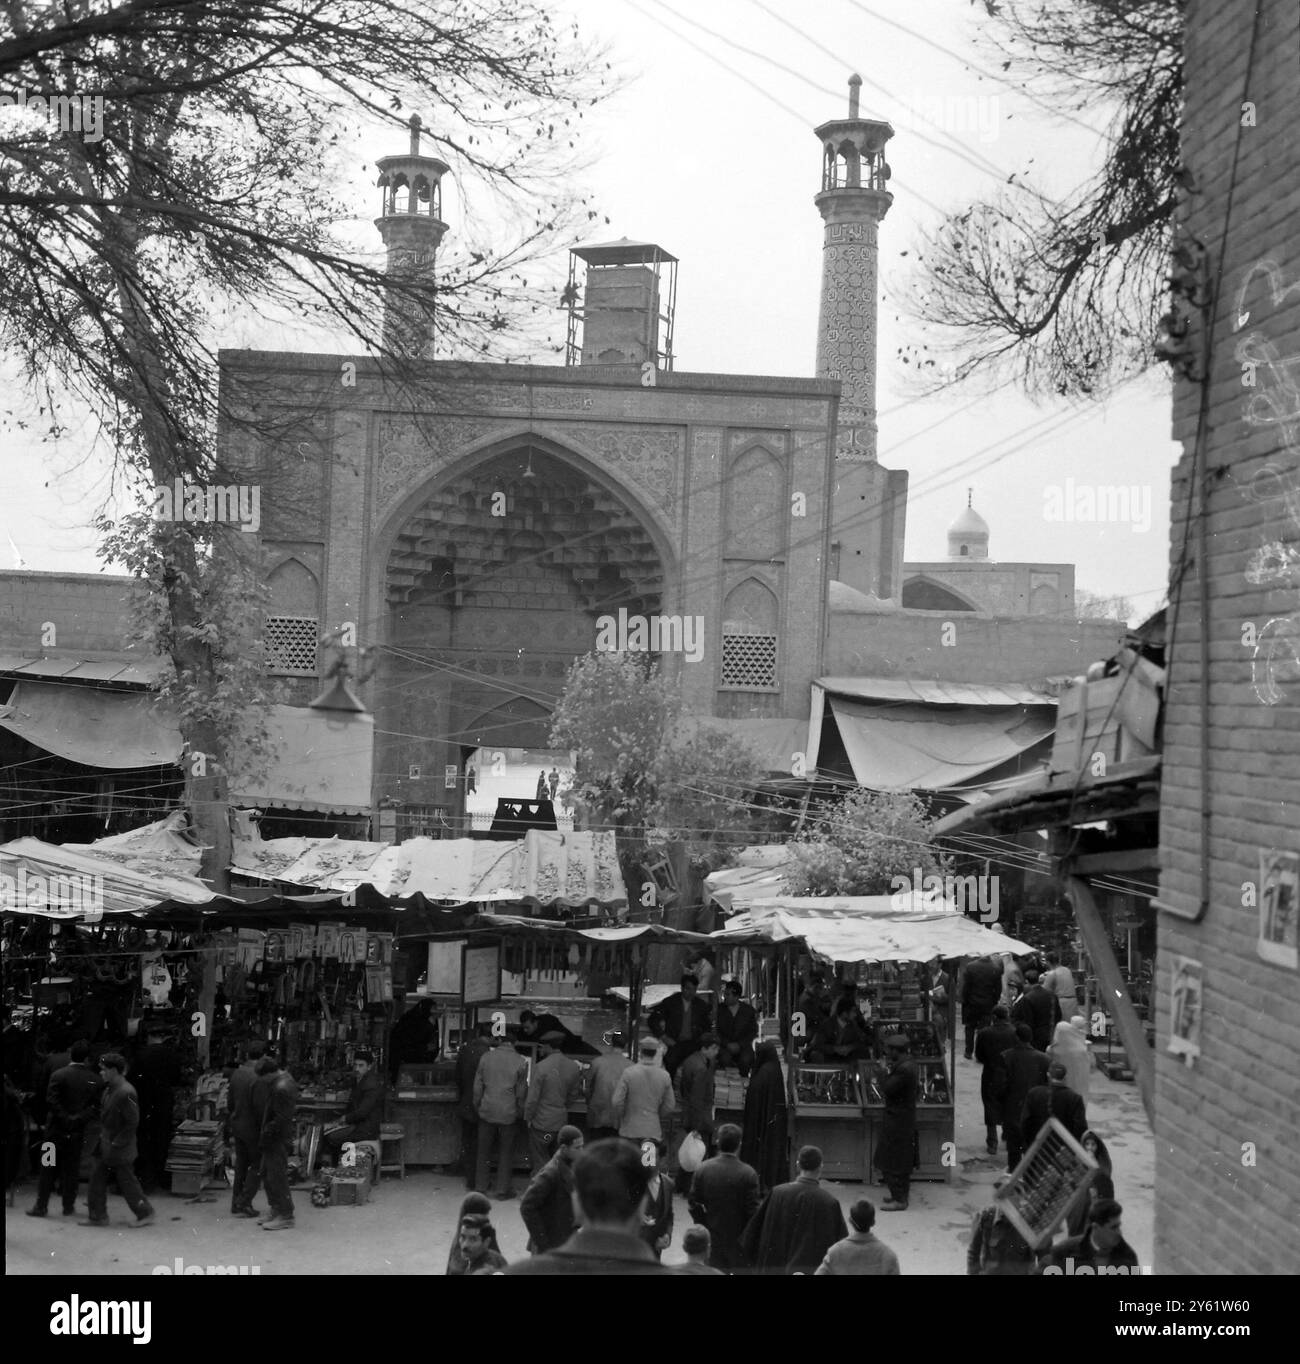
<point>896,1151</point>
<point>681,1020</point>
<point>839,1038</point>
<point>765,1121</point>
<point>243,1129</point>
<point>724,1196</point>
<point>981,989</point>
<point>737,1029</point>
<point>547,1204</point>
<point>1039,1008</point>
<point>119,1121</point>
<point>990,1043</point>
<point>796,1224</point>
<point>156,1073</point>
<point>1057,1100</point>
<point>814,1004</point>
<point>609,1184</point>
<point>698,1081</point>
<point>1023,1068</point>
<point>467,1059</point>
<point>275,1102</point>
<point>1102,1248</point>
<point>72,1099</point>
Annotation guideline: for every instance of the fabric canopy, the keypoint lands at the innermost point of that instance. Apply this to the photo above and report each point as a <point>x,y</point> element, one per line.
<point>759,874</point>
<point>867,929</point>
<point>110,729</point>
<point>546,866</point>
<point>919,747</point>
<point>64,883</point>
<point>316,761</point>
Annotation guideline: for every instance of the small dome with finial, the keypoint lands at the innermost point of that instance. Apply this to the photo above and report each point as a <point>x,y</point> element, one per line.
<point>968,536</point>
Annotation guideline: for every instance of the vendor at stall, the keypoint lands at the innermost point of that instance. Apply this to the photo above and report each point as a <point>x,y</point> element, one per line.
<point>737,1029</point>
<point>365,1110</point>
<point>839,1038</point>
<point>681,1020</point>
<point>533,1027</point>
<point>414,1039</point>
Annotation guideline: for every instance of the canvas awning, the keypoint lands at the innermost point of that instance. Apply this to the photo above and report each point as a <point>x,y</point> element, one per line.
<point>316,762</point>
<point>93,726</point>
<point>759,874</point>
<point>545,866</point>
<point>867,929</point>
<point>920,747</point>
<point>66,883</point>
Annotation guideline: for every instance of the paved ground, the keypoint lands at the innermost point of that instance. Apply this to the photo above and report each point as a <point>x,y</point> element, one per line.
<point>407,1226</point>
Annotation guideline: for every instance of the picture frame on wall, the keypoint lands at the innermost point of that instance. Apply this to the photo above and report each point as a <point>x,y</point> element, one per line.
<point>1186,989</point>
<point>1279,908</point>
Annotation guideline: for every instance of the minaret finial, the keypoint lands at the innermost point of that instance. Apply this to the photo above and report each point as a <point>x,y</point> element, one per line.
<point>855,86</point>
<point>415,125</point>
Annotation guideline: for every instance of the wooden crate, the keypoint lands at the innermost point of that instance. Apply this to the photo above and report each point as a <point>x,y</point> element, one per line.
<point>349,1192</point>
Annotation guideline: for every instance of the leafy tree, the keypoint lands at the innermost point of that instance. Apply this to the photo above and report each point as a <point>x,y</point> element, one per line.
<point>858,844</point>
<point>1066,296</point>
<point>660,783</point>
<point>206,196</point>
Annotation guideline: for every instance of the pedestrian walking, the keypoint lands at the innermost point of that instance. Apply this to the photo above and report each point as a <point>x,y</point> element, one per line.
<point>1056,1100</point>
<point>603,1077</point>
<point>981,989</point>
<point>471,1204</point>
<point>995,1246</point>
<point>72,1098</point>
<point>796,1224</point>
<point>1039,1008</point>
<point>861,1251</point>
<point>119,1123</point>
<point>657,1211</point>
<point>547,1204</point>
<point>990,1043</point>
<point>765,1139</point>
<point>896,1153</point>
<point>243,1129</point>
<point>724,1196</point>
<point>696,1242</point>
<point>1070,1048</point>
<point>609,1184</point>
<point>1023,1067</point>
<point>698,1081</point>
<point>279,1098</point>
<point>1102,1186</point>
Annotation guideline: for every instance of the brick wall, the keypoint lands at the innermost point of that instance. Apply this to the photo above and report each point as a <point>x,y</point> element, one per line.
<point>1023,650</point>
<point>89,612</point>
<point>1227,1179</point>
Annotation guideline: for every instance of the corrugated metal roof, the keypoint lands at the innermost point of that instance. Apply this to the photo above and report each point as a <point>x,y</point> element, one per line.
<point>141,672</point>
<point>933,693</point>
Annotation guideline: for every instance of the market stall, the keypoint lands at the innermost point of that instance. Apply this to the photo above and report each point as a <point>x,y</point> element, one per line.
<point>882,947</point>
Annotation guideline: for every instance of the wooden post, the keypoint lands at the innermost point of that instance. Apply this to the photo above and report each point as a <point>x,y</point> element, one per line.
<point>207,1004</point>
<point>1118,1003</point>
<point>636,978</point>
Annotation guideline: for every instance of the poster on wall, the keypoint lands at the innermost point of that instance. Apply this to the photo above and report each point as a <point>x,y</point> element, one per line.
<point>1279,908</point>
<point>1185,1008</point>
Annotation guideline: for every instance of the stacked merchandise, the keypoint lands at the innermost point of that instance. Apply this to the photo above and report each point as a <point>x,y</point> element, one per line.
<point>729,1090</point>
<point>898,994</point>
<point>194,1150</point>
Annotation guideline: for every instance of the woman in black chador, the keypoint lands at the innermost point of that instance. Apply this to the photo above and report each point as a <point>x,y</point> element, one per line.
<point>763,1145</point>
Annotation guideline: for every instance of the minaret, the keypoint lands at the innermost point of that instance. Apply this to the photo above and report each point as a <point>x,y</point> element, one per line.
<point>852,201</point>
<point>412,228</point>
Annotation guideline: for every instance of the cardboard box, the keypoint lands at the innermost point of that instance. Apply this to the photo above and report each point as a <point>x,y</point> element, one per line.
<point>353,1192</point>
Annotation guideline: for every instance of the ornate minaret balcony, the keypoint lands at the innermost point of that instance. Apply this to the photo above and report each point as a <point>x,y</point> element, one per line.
<point>852,202</point>
<point>412,229</point>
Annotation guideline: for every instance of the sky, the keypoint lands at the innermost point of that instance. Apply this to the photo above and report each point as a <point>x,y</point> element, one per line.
<point>707,148</point>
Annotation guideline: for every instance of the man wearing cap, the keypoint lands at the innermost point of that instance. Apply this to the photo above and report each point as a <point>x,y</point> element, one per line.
<point>861,1251</point>
<point>1057,1100</point>
<point>996,1247</point>
<point>895,1154</point>
<point>737,1028</point>
<point>555,1087</point>
<point>643,1096</point>
<point>981,989</point>
<point>547,1204</point>
<point>365,1111</point>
